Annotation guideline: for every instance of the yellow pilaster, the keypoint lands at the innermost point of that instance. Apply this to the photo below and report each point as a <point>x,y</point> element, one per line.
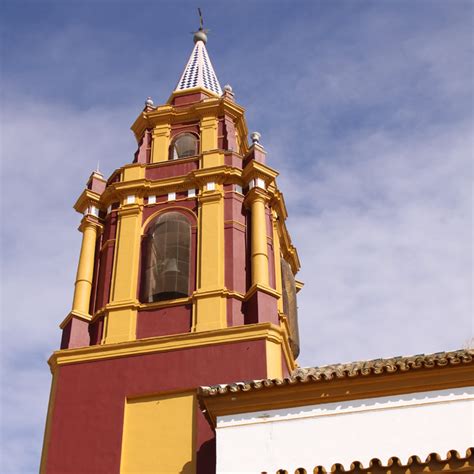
<point>85,269</point>
<point>212,159</point>
<point>276,255</point>
<point>258,239</point>
<point>210,303</point>
<point>208,133</point>
<point>160,143</point>
<point>120,321</point>
<point>274,355</point>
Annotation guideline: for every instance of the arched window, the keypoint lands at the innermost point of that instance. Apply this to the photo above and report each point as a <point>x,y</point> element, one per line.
<point>183,146</point>
<point>166,258</point>
<point>290,307</point>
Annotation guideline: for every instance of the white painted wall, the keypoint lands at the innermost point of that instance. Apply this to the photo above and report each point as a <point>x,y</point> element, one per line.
<point>358,430</point>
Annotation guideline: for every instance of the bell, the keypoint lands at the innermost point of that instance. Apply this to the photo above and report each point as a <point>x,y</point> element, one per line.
<point>171,266</point>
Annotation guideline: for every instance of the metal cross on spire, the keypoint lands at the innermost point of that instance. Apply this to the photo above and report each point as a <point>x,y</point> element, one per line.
<point>201,34</point>
<point>201,22</point>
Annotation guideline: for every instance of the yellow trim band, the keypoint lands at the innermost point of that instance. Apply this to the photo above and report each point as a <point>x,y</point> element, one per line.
<point>250,332</point>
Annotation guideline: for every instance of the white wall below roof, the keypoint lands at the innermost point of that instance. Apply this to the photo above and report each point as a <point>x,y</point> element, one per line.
<point>357,430</point>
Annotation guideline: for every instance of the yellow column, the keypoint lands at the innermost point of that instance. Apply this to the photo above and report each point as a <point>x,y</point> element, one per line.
<point>85,268</point>
<point>276,255</point>
<point>161,143</point>
<point>259,238</point>
<point>210,303</point>
<point>120,323</point>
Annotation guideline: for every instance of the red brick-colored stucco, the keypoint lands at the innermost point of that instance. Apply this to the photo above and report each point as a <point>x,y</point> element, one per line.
<point>87,421</point>
<point>164,321</point>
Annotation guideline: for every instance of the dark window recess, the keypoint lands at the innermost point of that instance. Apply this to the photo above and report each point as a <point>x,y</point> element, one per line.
<point>184,145</point>
<point>290,307</point>
<point>166,258</point>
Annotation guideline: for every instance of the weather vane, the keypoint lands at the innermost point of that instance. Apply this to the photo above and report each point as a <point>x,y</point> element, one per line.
<point>201,34</point>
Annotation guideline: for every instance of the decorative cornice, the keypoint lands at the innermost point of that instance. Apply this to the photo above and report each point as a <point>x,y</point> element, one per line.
<point>250,332</point>
<point>254,169</point>
<point>77,315</point>
<point>256,194</point>
<point>167,114</point>
<point>264,289</point>
<point>218,174</point>
<point>86,198</point>
<point>299,285</point>
<point>90,220</point>
<point>434,463</point>
<point>129,209</point>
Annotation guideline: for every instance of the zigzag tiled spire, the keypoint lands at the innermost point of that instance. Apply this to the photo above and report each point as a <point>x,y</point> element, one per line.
<point>199,71</point>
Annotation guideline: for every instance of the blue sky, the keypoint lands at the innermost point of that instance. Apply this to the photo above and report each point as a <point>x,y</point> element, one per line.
<point>365,108</point>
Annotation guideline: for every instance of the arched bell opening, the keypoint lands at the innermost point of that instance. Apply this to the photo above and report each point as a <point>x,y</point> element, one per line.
<point>166,258</point>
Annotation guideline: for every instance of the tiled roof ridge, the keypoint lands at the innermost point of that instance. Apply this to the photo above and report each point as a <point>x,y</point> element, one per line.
<point>392,364</point>
<point>351,369</point>
<point>454,461</point>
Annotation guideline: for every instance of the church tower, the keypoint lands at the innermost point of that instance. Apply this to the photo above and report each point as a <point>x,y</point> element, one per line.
<point>185,278</point>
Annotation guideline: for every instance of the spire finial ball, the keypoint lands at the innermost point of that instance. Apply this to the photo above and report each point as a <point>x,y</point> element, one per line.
<point>255,136</point>
<point>200,35</point>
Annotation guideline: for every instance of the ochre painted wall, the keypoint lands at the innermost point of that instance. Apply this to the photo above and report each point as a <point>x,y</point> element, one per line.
<point>158,434</point>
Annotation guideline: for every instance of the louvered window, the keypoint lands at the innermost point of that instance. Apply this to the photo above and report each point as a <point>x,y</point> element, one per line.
<point>290,307</point>
<point>166,258</point>
<point>184,145</point>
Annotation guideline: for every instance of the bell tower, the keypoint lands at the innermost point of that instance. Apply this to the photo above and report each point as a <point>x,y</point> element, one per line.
<point>186,277</point>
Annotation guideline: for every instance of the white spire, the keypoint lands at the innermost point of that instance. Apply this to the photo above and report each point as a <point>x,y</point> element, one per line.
<point>199,71</point>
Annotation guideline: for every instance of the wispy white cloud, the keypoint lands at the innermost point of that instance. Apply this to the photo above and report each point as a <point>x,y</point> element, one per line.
<point>385,241</point>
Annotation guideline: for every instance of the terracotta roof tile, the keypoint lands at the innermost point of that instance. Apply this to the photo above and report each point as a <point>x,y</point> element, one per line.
<point>434,463</point>
<point>351,369</point>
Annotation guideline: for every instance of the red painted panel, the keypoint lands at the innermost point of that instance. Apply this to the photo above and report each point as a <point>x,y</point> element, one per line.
<point>164,321</point>
<point>171,168</point>
<point>95,331</point>
<point>110,226</point>
<point>231,159</point>
<point>86,424</point>
<point>221,136</point>
<point>235,315</point>
<point>95,276</point>
<point>234,207</point>
<point>96,185</point>
<point>271,266</point>
<point>235,248</point>
<point>261,307</point>
<point>105,275</point>
<point>178,128</point>
<point>188,99</point>
<point>231,142</point>
<point>75,334</point>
